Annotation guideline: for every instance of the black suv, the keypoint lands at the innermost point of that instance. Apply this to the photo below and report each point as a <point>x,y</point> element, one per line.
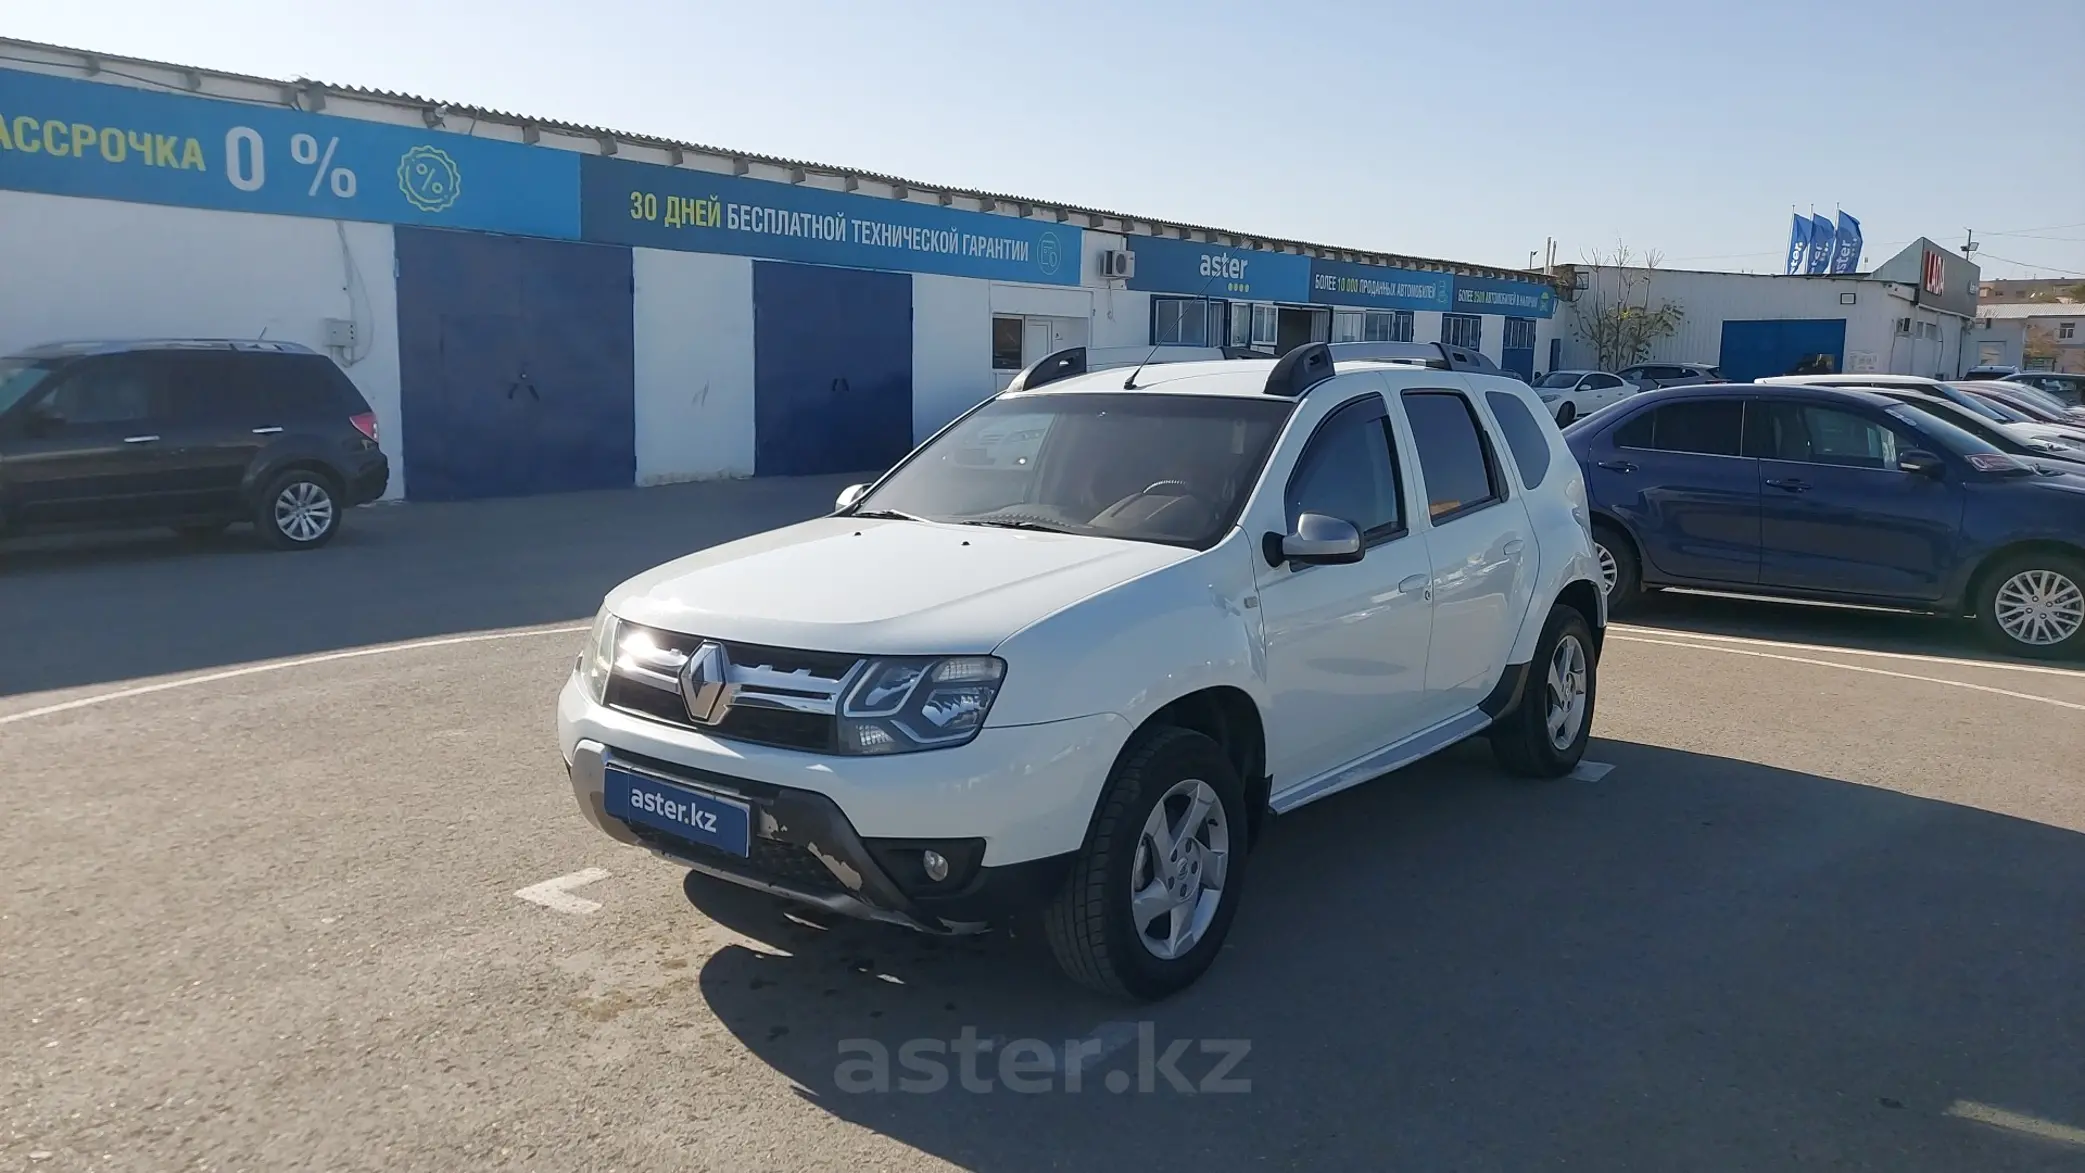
<point>190,434</point>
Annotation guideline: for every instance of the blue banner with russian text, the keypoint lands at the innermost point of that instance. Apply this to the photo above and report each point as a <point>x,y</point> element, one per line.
<point>63,136</point>
<point>1514,299</point>
<point>651,206</point>
<point>1379,286</point>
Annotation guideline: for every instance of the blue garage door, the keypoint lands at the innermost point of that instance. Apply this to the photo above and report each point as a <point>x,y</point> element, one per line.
<point>1518,348</point>
<point>517,370</point>
<point>1756,350</point>
<point>832,382</point>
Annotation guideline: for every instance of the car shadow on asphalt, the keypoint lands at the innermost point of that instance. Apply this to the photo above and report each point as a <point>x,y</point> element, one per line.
<point>1694,962</point>
<point>1854,629</point>
<point>96,608</point>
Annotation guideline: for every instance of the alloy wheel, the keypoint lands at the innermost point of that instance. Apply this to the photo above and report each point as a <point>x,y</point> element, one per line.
<point>2039,608</point>
<point>1568,686</point>
<point>1176,880</point>
<point>304,511</point>
<point>1609,571</point>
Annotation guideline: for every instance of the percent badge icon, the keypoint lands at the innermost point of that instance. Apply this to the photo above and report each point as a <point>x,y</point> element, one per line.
<point>429,178</point>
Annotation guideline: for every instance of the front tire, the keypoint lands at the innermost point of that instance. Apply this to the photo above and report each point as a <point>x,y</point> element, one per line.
<point>299,510</point>
<point>2034,605</point>
<point>1566,414</point>
<point>1545,733</point>
<point>1152,894</point>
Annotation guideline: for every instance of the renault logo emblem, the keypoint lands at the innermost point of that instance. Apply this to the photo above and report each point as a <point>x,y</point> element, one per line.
<point>706,684</point>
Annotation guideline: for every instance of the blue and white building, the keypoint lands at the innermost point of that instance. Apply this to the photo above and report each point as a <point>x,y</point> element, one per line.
<point>540,307</point>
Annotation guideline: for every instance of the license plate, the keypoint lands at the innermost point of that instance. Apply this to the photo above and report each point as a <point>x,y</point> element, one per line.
<point>695,815</point>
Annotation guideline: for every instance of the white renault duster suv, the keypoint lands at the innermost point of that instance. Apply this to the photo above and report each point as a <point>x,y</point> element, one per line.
<point>1071,655</point>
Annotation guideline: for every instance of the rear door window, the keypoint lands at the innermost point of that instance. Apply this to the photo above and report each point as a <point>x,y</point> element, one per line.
<point>1454,457</point>
<point>1708,427</point>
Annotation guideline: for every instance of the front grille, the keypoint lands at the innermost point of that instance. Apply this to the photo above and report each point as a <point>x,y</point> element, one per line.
<point>786,865</point>
<point>779,696</point>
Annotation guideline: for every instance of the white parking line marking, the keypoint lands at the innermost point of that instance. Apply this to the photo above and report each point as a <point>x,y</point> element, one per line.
<point>556,894</point>
<point>2015,1122</point>
<point>306,661</point>
<point>1590,771</point>
<point>1995,665</point>
<point>2024,696</point>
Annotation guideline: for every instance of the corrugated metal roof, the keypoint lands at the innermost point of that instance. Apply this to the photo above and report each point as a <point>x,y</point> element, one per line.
<point>103,61</point>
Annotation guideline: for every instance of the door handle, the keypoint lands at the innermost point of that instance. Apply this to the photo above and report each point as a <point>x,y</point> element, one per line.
<point>1617,465</point>
<point>266,431</point>
<point>139,439</point>
<point>1790,484</point>
<point>1412,583</point>
<point>1515,546</point>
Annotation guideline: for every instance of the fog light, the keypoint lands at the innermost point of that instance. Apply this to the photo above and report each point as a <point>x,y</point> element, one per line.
<point>937,867</point>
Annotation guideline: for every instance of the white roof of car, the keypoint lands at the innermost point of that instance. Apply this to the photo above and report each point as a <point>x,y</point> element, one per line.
<point>1240,376</point>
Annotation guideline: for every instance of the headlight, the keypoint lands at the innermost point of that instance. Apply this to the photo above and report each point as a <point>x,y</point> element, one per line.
<point>902,704</point>
<point>598,656</point>
<point>1546,396</point>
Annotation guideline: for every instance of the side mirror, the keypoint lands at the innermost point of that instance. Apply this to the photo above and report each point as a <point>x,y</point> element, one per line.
<point>849,495</point>
<point>1320,540</point>
<point>1920,463</point>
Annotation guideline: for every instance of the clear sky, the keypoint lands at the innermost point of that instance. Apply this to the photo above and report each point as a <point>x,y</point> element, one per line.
<point>1450,128</point>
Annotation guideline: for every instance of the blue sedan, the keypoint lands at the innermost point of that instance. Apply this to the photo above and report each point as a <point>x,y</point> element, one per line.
<point>1835,495</point>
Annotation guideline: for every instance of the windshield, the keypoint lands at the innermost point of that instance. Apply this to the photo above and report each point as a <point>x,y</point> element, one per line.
<point>1558,379</point>
<point>18,377</point>
<point>1143,466</point>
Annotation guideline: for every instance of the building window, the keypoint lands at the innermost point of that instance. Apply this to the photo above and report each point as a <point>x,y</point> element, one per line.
<point>1006,344</point>
<point>2066,330</point>
<point>1387,326</point>
<point>1187,321</point>
<point>1520,334</point>
<point>1464,330</point>
<point>1346,325</point>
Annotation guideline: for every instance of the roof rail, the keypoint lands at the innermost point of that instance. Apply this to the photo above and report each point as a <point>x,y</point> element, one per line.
<point>1436,355</point>
<point>1299,370</point>
<point>1050,368</point>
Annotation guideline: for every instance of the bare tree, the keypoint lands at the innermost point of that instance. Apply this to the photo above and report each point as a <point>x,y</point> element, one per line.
<point>1617,314</point>
<point>2040,343</point>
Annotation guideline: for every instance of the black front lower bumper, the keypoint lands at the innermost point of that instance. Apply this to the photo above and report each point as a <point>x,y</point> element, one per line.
<point>804,849</point>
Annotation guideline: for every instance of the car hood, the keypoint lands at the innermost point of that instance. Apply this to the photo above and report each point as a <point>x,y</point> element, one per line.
<point>2040,431</point>
<point>881,587</point>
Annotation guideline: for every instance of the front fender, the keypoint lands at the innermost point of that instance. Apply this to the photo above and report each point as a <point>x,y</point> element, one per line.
<point>1136,647</point>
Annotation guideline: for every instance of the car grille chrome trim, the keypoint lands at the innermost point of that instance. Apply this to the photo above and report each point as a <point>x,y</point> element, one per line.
<point>805,686</point>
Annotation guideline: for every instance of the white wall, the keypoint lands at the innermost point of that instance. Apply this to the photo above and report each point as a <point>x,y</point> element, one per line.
<point>1710,299</point>
<point>694,359</point>
<point>79,269</point>
<point>951,349</point>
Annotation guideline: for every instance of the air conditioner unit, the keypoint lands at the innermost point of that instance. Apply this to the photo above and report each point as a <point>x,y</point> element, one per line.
<point>1118,264</point>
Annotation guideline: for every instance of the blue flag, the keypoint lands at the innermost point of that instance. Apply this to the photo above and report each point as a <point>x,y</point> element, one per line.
<point>1846,253</point>
<point>1821,233</point>
<point>1798,244</point>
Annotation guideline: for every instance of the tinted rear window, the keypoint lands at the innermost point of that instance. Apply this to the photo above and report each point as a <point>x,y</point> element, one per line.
<point>1711,427</point>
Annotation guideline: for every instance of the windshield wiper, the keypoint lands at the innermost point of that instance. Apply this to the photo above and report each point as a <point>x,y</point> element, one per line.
<point>886,515</point>
<point>1017,523</point>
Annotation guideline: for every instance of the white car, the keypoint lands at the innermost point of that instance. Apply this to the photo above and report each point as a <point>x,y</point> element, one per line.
<point>1082,682</point>
<point>1570,394</point>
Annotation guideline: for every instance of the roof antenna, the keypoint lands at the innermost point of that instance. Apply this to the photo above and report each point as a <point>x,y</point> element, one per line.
<point>1130,384</point>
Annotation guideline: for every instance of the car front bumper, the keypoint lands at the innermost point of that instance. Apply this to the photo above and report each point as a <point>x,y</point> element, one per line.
<point>1008,810</point>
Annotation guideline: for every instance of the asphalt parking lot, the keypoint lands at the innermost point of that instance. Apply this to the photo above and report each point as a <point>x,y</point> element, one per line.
<point>268,815</point>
